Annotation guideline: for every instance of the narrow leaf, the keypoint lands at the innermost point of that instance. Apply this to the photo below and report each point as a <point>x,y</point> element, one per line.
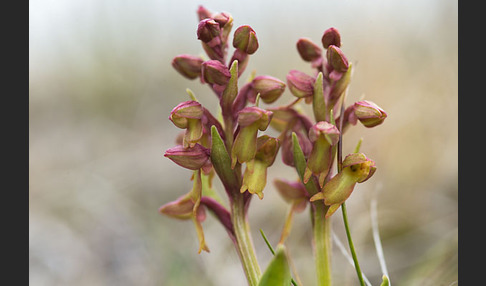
<point>278,271</point>
<point>300,165</point>
<point>231,90</point>
<point>318,103</point>
<point>221,161</point>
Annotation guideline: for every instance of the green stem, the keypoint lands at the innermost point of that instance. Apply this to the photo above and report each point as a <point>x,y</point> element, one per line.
<point>244,243</point>
<point>322,242</point>
<point>351,245</point>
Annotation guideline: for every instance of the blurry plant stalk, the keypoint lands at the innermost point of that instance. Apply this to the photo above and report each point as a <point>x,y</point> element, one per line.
<point>208,146</point>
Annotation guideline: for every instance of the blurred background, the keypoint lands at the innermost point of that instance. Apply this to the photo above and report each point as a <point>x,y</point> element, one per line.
<point>101,89</point>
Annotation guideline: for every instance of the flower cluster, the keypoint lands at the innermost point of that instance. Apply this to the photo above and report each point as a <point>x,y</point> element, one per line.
<point>224,144</point>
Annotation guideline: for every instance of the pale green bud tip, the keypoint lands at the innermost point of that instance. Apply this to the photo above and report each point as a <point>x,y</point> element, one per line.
<point>369,113</point>
<point>187,65</point>
<point>300,84</point>
<point>269,88</point>
<point>245,40</point>
<point>326,130</point>
<point>192,158</point>
<point>185,111</point>
<point>308,50</point>
<point>215,72</point>
<point>331,37</point>
<point>337,59</point>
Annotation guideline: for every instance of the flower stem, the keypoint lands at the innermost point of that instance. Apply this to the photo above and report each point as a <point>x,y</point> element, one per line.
<point>322,242</point>
<point>244,241</point>
<point>351,245</point>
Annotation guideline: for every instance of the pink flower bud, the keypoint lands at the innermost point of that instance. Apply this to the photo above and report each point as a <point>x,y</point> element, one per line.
<point>192,158</point>
<point>207,30</point>
<point>185,111</point>
<point>331,37</point>
<point>336,59</point>
<point>203,13</point>
<point>253,115</point>
<point>245,39</point>
<point>308,50</point>
<point>300,84</point>
<point>369,113</point>
<point>188,65</point>
<point>214,72</point>
<point>326,130</point>
<point>269,88</point>
<point>222,18</point>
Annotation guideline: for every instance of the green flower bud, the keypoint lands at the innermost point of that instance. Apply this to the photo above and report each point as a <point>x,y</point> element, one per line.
<point>187,115</point>
<point>250,119</point>
<point>336,59</point>
<point>323,135</point>
<point>269,88</point>
<point>214,72</point>
<point>369,113</point>
<point>357,168</point>
<point>255,176</point>
<point>300,84</point>
<point>245,39</point>
<point>188,65</point>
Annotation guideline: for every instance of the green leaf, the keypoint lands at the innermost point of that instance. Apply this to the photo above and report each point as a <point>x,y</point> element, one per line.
<point>300,165</point>
<point>278,271</point>
<point>385,282</point>
<point>318,104</point>
<point>221,161</point>
<point>231,90</point>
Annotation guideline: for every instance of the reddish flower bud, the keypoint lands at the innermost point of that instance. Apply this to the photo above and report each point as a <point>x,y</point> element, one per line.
<point>300,84</point>
<point>269,88</point>
<point>336,59</point>
<point>331,37</point>
<point>222,18</point>
<point>245,39</point>
<point>207,30</point>
<point>188,65</point>
<point>192,158</point>
<point>214,72</point>
<point>369,113</point>
<point>308,50</point>
<point>203,13</point>
<point>187,115</point>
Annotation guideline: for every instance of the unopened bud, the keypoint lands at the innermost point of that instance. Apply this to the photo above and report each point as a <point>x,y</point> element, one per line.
<point>331,37</point>
<point>245,39</point>
<point>207,30</point>
<point>192,158</point>
<point>326,130</point>
<point>214,72</point>
<point>336,59</point>
<point>203,13</point>
<point>308,50</point>
<point>188,65</point>
<point>369,113</point>
<point>300,84</point>
<point>269,88</point>
<point>187,115</point>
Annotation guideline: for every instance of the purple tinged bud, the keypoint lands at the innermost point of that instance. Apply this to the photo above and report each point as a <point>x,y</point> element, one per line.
<point>369,113</point>
<point>269,88</point>
<point>245,39</point>
<point>222,18</point>
<point>331,37</point>
<point>192,158</point>
<point>188,65</point>
<point>207,30</point>
<point>185,111</point>
<point>214,72</point>
<point>254,115</point>
<point>300,84</point>
<point>336,59</point>
<point>182,208</point>
<point>325,129</point>
<point>308,50</point>
<point>203,13</point>
<point>267,148</point>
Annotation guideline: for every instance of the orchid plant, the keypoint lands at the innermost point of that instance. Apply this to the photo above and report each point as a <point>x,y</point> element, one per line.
<point>231,145</point>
